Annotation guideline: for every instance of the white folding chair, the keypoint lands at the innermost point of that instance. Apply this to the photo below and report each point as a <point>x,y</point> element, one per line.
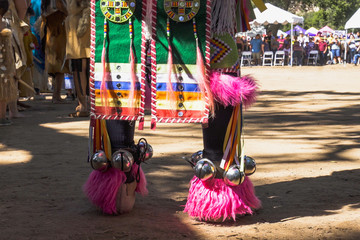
<point>268,58</point>
<point>312,58</point>
<point>279,58</point>
<point>245,58</point>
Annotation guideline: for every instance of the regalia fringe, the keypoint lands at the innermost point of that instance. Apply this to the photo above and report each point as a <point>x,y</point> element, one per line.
<point>223,16</point>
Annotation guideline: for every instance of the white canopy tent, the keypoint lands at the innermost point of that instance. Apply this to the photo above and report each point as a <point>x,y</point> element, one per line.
<point>279,32</point>
<point>353,22</point>
<point>312,30</point>
<point>275,15</point>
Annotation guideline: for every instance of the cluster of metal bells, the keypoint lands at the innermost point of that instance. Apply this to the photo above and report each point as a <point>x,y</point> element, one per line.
<point>206,170</point>
<point>122,159</point>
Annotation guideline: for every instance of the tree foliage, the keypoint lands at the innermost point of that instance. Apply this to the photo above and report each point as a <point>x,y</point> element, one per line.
<point>334,13</point>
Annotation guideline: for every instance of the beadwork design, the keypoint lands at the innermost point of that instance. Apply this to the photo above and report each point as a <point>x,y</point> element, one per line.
<point>221,50</point>
<point>117,11</point>
<point>181,10</point>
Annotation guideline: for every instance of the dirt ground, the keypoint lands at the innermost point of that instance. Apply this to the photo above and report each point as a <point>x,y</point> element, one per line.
<point>304,132</point>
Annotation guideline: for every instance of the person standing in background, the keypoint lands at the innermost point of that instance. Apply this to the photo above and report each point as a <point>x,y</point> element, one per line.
<point>335,50</point>
<point>267,41</point>
<point>30,41</point>
<point>257,47</point>
<point>40,77</point>
<point>53,30</point>
<point>281,41</point>
<point>78,51</point>
<point>8,88</point>
<point>15,17</point>
<point>322,51</point>
<point>352,48</point>
<point>275,44</point>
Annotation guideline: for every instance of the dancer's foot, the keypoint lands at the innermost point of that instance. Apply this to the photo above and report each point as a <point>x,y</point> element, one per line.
<point>70,97</point>
<point>21,104</point>
<point>125,198</point>
<point>5,122</point>
<point>16,115</point>
<point>79,114</point>
<point>59,101</point>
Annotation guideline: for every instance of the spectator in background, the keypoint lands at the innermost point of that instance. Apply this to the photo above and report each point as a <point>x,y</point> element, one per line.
<point>357,35</point>
<point>335,50</point>
<point>287,50</point>
<point>287,41</point>
<point>312,44</point>
<point>307,50</point>
<point>301,39</point>
<point>267,41</point>
<point>298,53</point>
<point>323,47</point>
<point>317,37</point>
<point>274,45</point>
<point>352,48</point>
<point>281,41</point>
<point>306,39</point>
<point>246,43</point>
<point>240,45</point>
<point>330,38</point>
<point>257,47</point>
<point>357,56</point>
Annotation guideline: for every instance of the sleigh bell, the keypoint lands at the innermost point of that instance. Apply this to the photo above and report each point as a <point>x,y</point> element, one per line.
<point>123,160</point>
<point>197,156</point>
<point>233,176</point>
<point>146,150</point>
<point>99,161</point>
<point>205,169</point>
<point>250,165</point>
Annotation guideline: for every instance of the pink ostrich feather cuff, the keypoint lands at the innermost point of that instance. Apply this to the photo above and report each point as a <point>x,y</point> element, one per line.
<point>141,185</point>
<point>230,90</point>
<point>214,200</point>
<point>102,187</point>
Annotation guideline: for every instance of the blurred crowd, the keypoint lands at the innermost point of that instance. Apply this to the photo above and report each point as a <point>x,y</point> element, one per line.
<point>331,48</point>
<point>44,48</point>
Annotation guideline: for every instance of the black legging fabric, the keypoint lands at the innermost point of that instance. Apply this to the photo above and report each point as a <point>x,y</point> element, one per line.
<point>214,134</point>
<point>121,133</point>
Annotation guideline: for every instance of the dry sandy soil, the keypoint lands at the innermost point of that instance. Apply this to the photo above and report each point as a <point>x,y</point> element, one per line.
<point>304,132</point>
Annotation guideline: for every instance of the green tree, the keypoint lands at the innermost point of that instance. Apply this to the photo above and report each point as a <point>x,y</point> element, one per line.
<point>334,13</point>
<point>338,12</point>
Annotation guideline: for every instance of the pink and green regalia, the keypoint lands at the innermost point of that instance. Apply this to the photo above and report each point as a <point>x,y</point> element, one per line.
<point>178,58</point>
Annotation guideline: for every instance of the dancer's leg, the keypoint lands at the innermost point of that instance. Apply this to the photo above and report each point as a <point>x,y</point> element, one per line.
<point>81,84</point>
<point>58,81</point>
<point>121,134</point>
<point>211,198</point>
<point>114,190</point>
